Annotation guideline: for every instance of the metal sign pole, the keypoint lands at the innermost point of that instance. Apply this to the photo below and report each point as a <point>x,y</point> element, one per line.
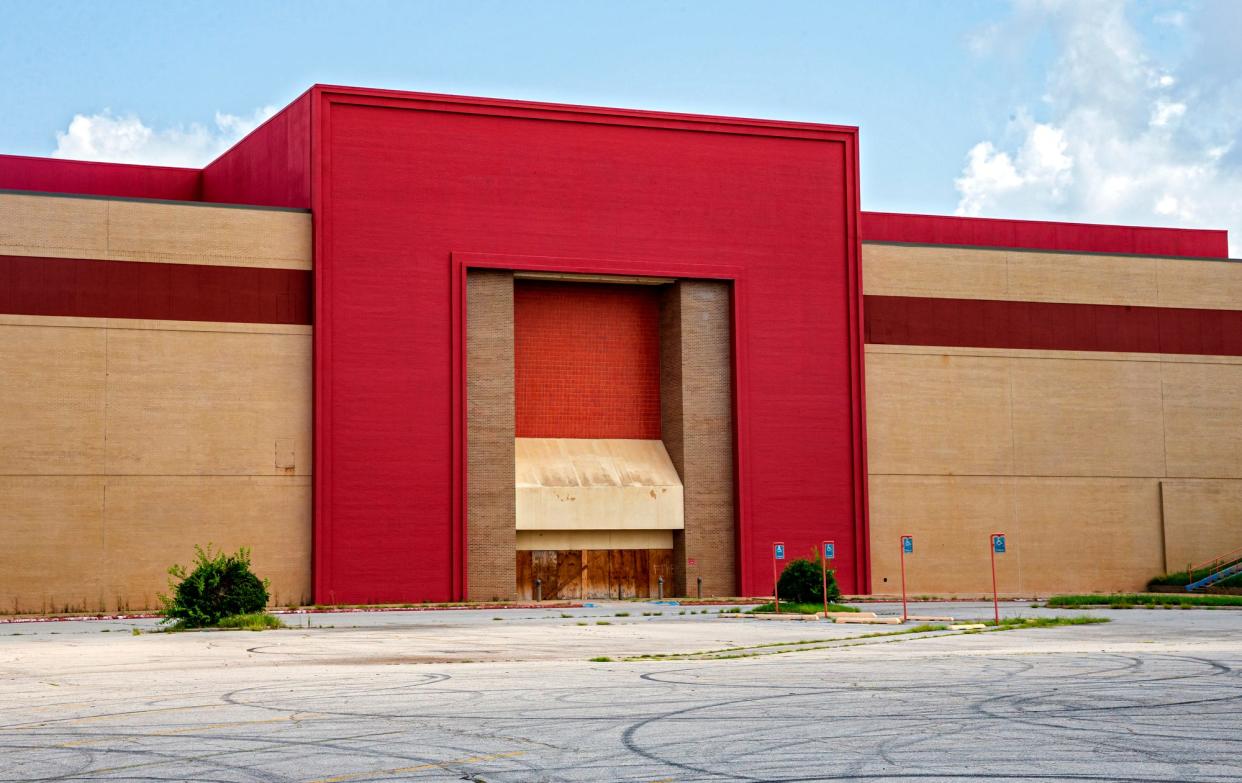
<point>905,614</point>
<point>823,570</point>
<point>827,553</point>
<point>998,545</point>
<point>778,553</point>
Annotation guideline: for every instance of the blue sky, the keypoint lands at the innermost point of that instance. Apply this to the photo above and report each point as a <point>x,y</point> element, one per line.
<point>1110,111</point>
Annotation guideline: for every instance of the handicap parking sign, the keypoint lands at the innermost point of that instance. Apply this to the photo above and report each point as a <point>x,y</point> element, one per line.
<point>779,551</point>
<point>998,543</point>
<point>830,550</point>
<point>907,545</point>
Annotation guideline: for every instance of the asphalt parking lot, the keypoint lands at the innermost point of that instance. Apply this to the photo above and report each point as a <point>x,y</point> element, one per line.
<point>1154,695</point>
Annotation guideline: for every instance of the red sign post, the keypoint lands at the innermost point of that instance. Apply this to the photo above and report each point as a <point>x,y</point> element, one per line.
<point>778,553</point>
<point>827,552</point>
<point>907,546</point>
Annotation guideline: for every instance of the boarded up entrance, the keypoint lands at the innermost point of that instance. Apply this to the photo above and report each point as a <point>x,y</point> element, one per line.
<point>594,573</point>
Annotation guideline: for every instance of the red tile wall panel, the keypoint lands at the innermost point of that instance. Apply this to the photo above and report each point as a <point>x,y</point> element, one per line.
<point>130,289</point>
<point>586,360</point>
<point>982,323</point>
<point>1043,235</point>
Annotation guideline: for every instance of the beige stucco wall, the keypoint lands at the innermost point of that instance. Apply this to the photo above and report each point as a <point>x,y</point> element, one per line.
<point>1033,276</point>
<point>121,230</point>
<point>1104,469</point>
<point>126,442</point>
<point>1082,458</point>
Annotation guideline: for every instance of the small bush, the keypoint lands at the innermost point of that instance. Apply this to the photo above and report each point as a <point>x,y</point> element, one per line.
<point>220,586</point>
<point>802,582</point>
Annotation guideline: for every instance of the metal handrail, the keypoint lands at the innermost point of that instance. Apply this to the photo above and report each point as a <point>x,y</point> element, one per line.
<point>1224,559</point>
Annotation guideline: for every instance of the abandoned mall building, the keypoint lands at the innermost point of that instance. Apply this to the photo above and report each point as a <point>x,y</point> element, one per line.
<point>424,348</point>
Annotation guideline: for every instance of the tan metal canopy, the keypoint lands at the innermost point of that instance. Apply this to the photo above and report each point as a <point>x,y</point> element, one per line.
<point>596,484</point>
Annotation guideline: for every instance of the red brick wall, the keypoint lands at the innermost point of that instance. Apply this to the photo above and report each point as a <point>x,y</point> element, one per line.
<point>586,360</point>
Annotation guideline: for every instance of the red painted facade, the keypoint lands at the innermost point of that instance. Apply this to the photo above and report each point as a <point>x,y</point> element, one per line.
<point>119,180</point>
<point>271,167</point>
<point>1043,235</point>
<point>405,184</point>
<point>586,360</point>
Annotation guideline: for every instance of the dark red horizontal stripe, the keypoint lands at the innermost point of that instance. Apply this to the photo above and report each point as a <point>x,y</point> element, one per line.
<point>1043,235</point>
<point>988,323</point>
<point>130,289</point>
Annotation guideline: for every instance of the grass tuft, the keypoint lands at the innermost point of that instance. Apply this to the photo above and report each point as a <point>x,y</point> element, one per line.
<point>256,621</point>
<point>792,608</point>
<point>1008,623</point>
<point>1130,600</point>
<point>600,659</point>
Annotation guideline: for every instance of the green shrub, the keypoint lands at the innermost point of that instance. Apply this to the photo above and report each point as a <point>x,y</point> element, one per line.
<point>220,586</point>
<point>802,582</point>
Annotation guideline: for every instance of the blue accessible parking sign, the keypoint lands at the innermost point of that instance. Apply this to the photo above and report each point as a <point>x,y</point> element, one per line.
<point>907,545</point>
<point>830,550</point>
<point>779,551</point>
<point>998,543</point>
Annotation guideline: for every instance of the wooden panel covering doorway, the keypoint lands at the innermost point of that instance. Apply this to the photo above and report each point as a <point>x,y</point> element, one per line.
<point>594,573</point>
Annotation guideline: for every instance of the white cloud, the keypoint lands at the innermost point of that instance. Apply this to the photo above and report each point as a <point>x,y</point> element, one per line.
<point>127,139</point>
<point>1123,140</point>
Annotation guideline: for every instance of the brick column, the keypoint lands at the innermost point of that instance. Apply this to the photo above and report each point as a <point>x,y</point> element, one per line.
<point>491,536</point>
<point>696,420</point>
